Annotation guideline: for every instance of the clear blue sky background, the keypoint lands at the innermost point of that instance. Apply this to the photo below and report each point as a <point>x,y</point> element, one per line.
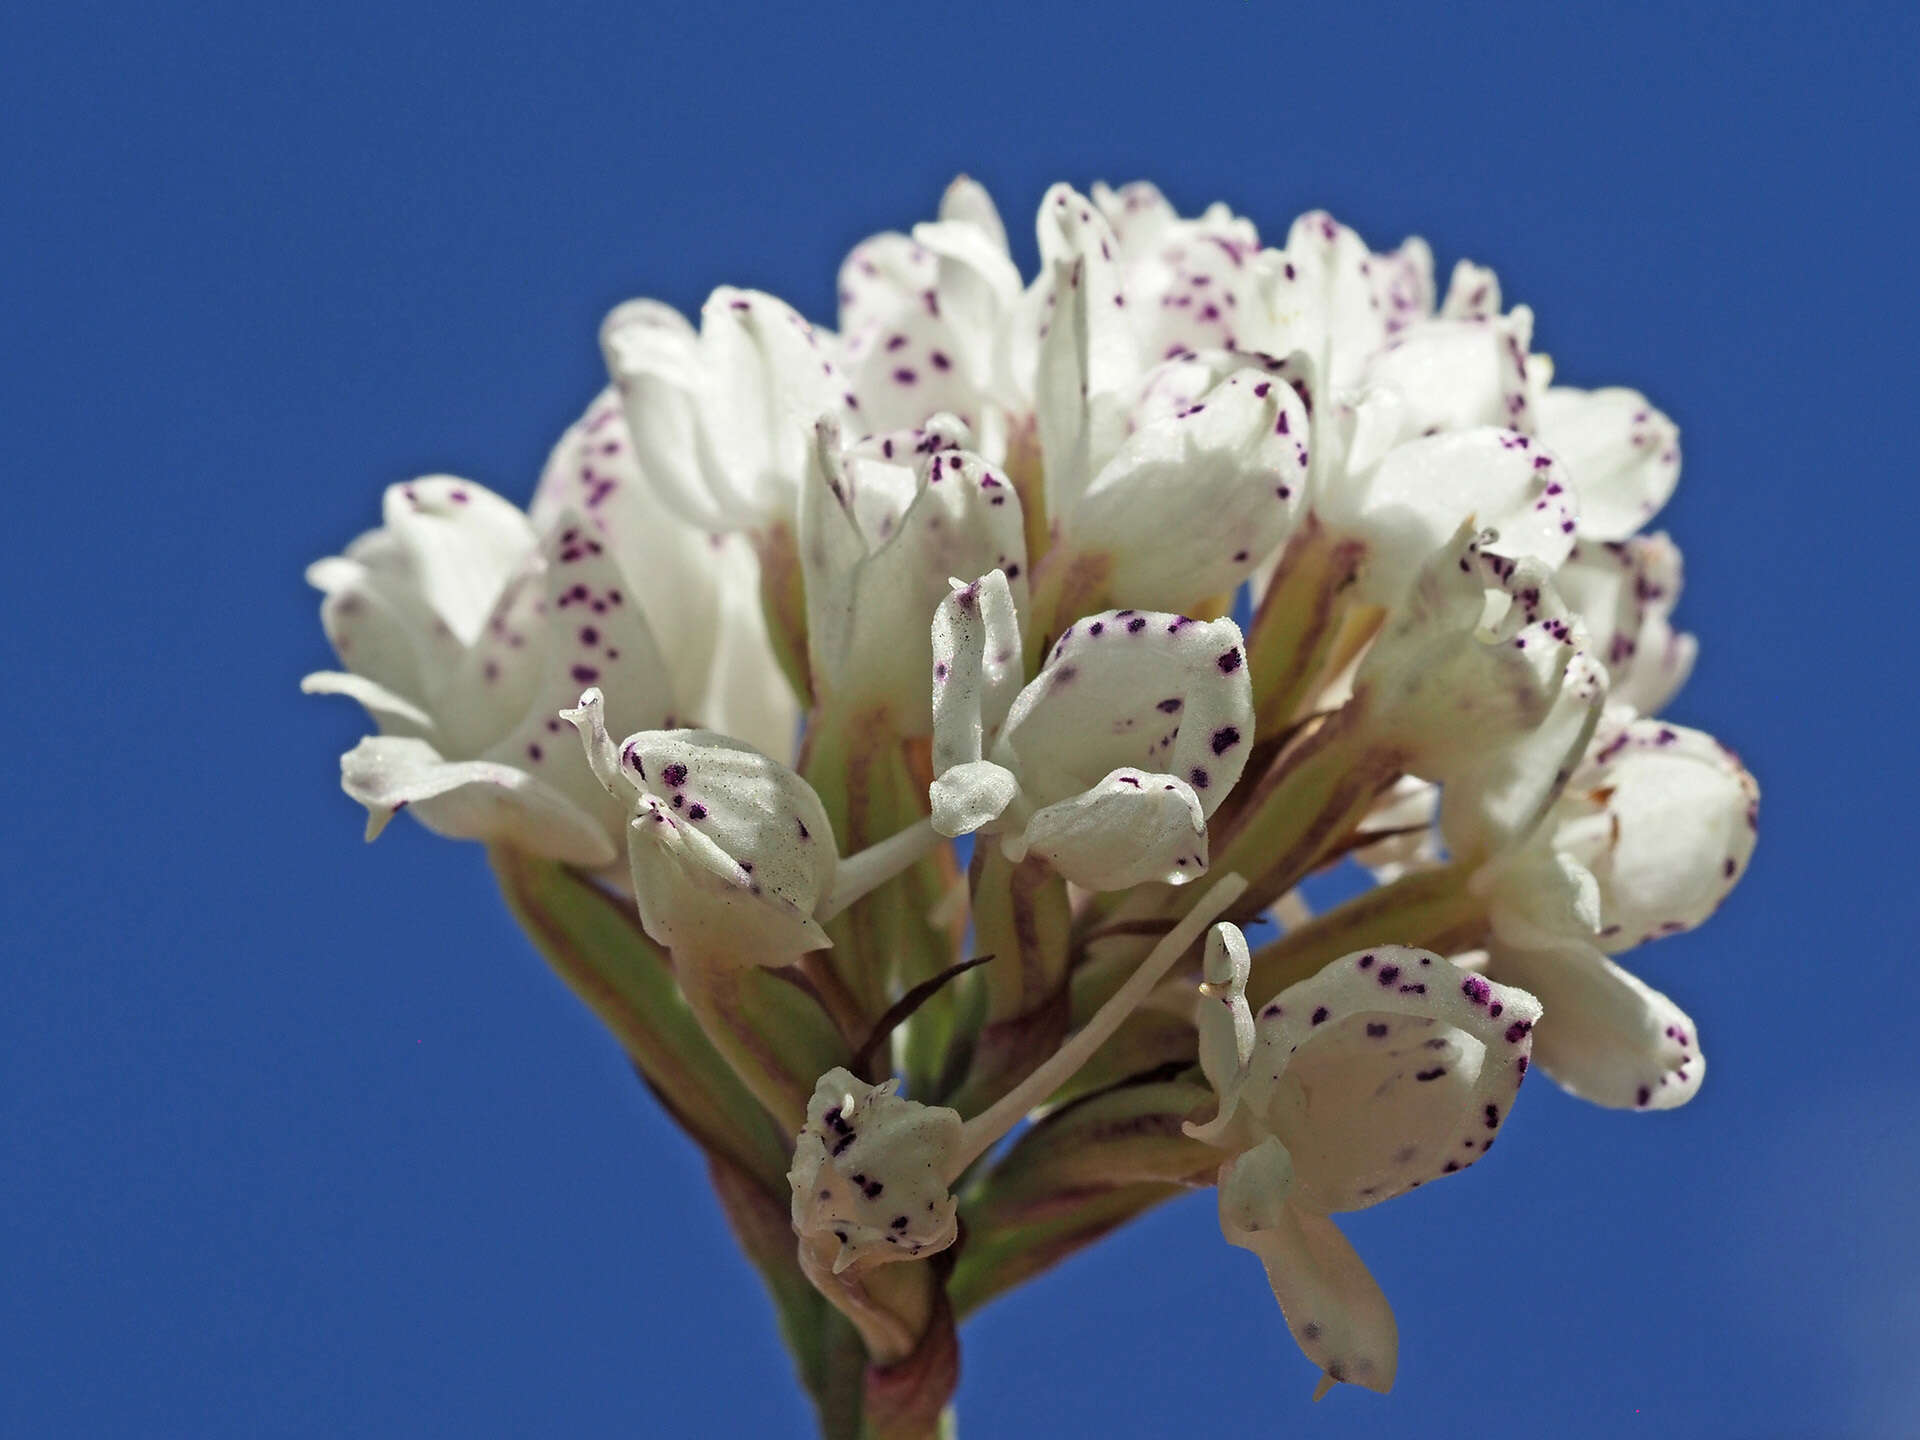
<point>296,1135</point>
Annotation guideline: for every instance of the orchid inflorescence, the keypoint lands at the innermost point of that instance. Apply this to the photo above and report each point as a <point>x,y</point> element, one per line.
<point>977,551</point>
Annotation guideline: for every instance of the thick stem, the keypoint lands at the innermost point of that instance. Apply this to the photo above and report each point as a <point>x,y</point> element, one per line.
<point>872,784</point>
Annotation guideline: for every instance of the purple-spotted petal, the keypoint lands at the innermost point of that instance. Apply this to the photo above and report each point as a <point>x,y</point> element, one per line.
<point>1410,504</point>
<point>470,800</point>
<point>1389,1068</point>
<point>1133,689</point>
<point>1457,374</point>
<point>976,673</point>
<point>1625,592</point>
<point>1666,819</point>
<point>1338,1315</point>
<point>732,852</point>
<point>674,571</point>
<point>1192,504</point>
<point>1498,713</point>
<point>1623,453</point>
<point>1132,828</point>
<point>1606,1037</point>
<point>879,537</point>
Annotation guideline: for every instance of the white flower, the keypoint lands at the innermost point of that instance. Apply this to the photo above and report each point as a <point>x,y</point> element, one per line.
<point>702,590</point>
<point>731,852</point>
<point>870,1170</point>
<point>1169,478</point>
<point>1389,1068</point>
<point>464,633</point>
<point>1654,829</point>
<point>722,419</point>
<point>1625,590</point>
<point>925,321</point>
<point>882,524</point>
<point>1483,682</point>
<point>1107,764</point>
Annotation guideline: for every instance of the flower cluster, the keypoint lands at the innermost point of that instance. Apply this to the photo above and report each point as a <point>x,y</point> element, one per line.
<point>791,609</point>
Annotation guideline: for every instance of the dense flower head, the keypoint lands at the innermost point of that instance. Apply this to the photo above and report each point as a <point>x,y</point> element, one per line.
<point>1193,557</point>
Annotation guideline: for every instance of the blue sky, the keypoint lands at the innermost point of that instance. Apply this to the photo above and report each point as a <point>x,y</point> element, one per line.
<point>296,1135</point>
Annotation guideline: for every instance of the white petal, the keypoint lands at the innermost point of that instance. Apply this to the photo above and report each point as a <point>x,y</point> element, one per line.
<point>970,795</point>
<point>966,201</point>
<point>671,568</point>
<point>1328,296</point>
<point>1142,218</point>
<point>1090,352</point>
<point>1498,713</point>
<point>869,1172</point>
<point>976,672</point>
<point>1606,1036</point>
<point>470,800</point>
<point>1473,293</point>
<point>1665,818</point>
<point>394,714</point>
<point>583,629</point>
<point>1133,828</point>
<point>722,423</point>
<point>918,335</point>
<point>1389,1068</point>
<point>746,696</point>
<point>375,621</point>
<point>876,574</point>
<point>1154,692</point>
<point>1456,374</point>
<point>1332,1304</point>
<point>461,541</point>
<point>731,851</point>
<point>661,375</point>
<point>1409,505</point>
<point>1625,591</point>
<point>1192,504</point>
<point>1221,1014</point>
<point>1624,455</point>
<point>1194,291</point>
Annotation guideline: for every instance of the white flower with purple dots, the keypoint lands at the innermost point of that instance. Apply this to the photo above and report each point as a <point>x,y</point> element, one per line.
<point>1046,495</point>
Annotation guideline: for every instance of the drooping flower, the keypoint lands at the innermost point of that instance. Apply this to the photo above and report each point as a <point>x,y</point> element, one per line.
<point>731,852</point>
<point>1108,763</point>
<point>464,632</point>
<point>1654,829</point>
<point>1388,1069</point>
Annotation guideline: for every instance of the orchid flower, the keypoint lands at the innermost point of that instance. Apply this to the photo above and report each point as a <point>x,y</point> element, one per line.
<point>464,632</point>
<point>1654,829</point>
<point>1169,479</point>
<point>924,321</point>
<point>716,649</point>
<point>1625,591</point>
<point>882,524</point>
<point>731,852</point>
<point>1109,762</point>
<point>720,418</point>
<point>1386,1070</point>
<point>1484,682</point>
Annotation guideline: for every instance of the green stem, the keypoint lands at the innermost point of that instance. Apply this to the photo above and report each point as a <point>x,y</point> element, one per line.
<point>593,942</point>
